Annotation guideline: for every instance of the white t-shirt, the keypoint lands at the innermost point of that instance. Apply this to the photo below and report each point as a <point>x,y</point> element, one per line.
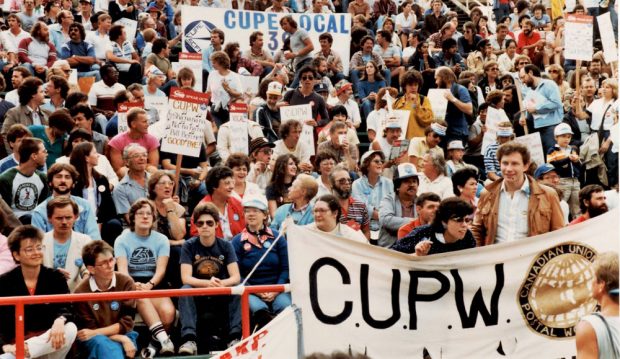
<point>597,108</point>
<point>102,44</point>
<point>301,151</point>
<point>100,90</point>
<point>219,96</point>
<point>10,42</point>
<point>406,22</point>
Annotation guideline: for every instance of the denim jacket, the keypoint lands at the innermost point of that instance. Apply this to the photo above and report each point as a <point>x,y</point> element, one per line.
<point>86,222</point>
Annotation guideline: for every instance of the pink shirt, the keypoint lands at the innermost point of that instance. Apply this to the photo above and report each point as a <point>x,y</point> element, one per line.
<point>6,259</point>
<point>120,141</point>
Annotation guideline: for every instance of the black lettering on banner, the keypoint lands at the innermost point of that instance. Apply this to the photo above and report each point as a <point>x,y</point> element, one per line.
<point>380,324</point>
<point>468,320</point>
<point>314,297</point>
<point>415,297</point>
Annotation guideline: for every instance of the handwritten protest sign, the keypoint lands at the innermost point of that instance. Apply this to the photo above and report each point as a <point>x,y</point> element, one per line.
<point>192,61</point>
<point>439,103</point>
<point>122,110</point>
<point>578,32</point>
<point>610,48</point>
<point>534,144</point>
<point>239,127</point>
<point>301,113</point>
<point>186,122</point>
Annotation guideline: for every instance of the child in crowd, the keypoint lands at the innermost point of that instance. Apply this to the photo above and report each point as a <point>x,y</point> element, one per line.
<point>565,158</point>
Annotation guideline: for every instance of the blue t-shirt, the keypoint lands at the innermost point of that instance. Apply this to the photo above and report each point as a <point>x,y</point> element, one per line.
<point>208,262</point>
<point>457,123</point>
<point>141,252</point>
<point>60,253</point>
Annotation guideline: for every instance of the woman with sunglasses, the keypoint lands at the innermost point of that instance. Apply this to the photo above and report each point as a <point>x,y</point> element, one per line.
<point>448,232</point>
<point>143,253</point>
<point>250,245</point>
<point>327,212</point>
<point>371,188</point>
<point>490,79</point>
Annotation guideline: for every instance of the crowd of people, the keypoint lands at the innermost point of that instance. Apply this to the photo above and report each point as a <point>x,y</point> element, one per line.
<point>87,205</point>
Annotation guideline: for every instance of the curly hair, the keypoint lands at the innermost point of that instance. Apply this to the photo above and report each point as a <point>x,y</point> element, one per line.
<point>135,207</point>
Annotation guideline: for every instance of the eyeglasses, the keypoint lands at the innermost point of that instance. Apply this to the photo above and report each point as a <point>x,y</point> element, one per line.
<point>144,213</point>
<point>138,155</point>
<point>378,161</point>
<point>344,181</point>
<point>267,151</point>
<point>467,220</point>
<point>553,71</point>
<point>209,223</point>
<point>494,69</point>
<point>106,263</point>
<point>321,210</point>
<point>67,71</point>
<point>434,135</point>
<point>523,63</point>
<point>31,250</point>
<point>165,183</point>
<point>305,78</point>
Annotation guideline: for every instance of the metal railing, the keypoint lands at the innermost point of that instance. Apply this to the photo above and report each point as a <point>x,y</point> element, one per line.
<point>244,292</point>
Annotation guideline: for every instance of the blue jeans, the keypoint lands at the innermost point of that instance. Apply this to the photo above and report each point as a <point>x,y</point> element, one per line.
<point>281,301</point>
<point>501,11</point>
<point>547,138</point>
<point>189,307</point>
<point>31,69</point>
<point>94,72</point>
<point>101,346</point>
<point>295,82</point>
<point>367,107</point>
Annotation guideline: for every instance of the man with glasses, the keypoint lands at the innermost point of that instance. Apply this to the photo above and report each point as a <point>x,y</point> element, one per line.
<point>29,278</point>
<point>133,185</point>
<point>353,212</point>
<point>515,206</point>
<point>208,261</point>
<point>106,326</point>
<point>24,187</point>
<point>79,53</point>
<point>467,43</point>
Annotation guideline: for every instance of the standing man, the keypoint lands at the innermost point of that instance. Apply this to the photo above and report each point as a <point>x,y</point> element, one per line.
<point>301,46</point>
<point>62,178</point>
<point>459,105</point>
<point>24,187</point>
<point>353,212</point>
<point>543,103</point>
<point>515,206</point>
<point>217,40</point>
<point>305,95</point>
<point>48,326</point>
<point>592,202</point>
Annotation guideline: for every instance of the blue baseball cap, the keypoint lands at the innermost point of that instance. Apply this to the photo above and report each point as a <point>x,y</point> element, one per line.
<point>543,169</point>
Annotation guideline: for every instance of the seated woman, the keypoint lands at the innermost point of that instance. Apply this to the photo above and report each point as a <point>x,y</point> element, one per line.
<point>105,334</point>
<point>449,231</point>
<point>284,172</point>
<point>326,214</point>
<point>143,254</point>
<point>240,165</point>
<point>250,245</point>
<point>170,220</point>
<point>301,193</point>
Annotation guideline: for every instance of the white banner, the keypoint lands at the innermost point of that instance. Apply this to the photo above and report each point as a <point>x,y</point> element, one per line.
<point>516,300</point>
<point>610,48</point>
<point>578,35</point>
<point>198,22</point>
<point>439,103</point>
<point>187,119</point>
<point>281,338</point>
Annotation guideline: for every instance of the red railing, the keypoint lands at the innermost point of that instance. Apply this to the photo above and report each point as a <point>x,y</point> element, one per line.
<point>244,292</point>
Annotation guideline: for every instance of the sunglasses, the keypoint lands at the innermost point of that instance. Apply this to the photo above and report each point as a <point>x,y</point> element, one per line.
<point>305,78</point>
<point>553,71</point>
<point>209,223</point>
<point>344,181</point>
<point>467,220</point>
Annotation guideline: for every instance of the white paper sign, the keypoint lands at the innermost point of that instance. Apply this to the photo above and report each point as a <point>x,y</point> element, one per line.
<point>402,117</point>
<point>534,144</point>
<point>610,48</point>
<point>238,25</point>
<point>301,113</point>
<point>187,119</point>
<point>238,124</point>
<point>280,338</point>
<point>159,103</point>
<point>517,300</point>
<point>494,117</point>
<point>578,34</point>
<point>249,84</point>
<point>192,61</point>
<point>439,103</point>
<point>131,27</point>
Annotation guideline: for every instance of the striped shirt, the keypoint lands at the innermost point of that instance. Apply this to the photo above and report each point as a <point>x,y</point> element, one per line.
<point>491,163</point>
<point>356,216</point>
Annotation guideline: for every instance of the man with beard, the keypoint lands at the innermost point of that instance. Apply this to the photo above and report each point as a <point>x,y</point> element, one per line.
<point>353,212</point>
<point>268,114</point>
<point>398,209</point>
<point>529,43</point>
<point>37,53</point>
<point>61,179</point>
<point>595,72</point>
<point>459,104</point>
<point>592,202</point>
<point>543,103</point>
<point>79,53</point>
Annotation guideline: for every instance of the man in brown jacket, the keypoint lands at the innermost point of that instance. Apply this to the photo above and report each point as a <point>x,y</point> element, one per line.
<point>515,206</point>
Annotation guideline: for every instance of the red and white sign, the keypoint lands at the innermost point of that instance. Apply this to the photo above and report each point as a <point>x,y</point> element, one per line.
<point>187,119</point>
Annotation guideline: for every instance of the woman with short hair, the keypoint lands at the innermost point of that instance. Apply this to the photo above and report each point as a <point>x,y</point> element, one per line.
<point>327,213</point>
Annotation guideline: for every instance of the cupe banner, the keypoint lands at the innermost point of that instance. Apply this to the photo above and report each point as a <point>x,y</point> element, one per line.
<point>513,300</point>
<point>238,25</point>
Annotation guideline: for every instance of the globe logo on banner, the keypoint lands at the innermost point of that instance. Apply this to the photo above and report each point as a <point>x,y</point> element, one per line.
<point>198,36</point>
<point>556,290</point>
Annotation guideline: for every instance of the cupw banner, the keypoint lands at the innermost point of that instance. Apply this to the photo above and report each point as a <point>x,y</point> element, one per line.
<point>514,300</point>
<point>238,25</point>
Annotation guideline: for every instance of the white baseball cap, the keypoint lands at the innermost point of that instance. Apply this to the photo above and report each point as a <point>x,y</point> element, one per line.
<point>562,129</point>
<point>456,145</point>
<point>274,88</point>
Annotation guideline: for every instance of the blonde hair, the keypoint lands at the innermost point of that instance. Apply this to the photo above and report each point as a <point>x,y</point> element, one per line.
<point>606,269</point>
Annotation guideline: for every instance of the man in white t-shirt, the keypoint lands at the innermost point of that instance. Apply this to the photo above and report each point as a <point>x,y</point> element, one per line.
<point>102,92</point>
<point>12,37</point>
<point>99,38</point>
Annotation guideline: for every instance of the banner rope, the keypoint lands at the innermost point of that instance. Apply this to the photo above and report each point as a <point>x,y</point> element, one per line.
<point>265,254</point>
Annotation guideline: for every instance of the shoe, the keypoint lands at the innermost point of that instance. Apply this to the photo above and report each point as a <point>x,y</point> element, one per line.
<point>233,342</point>
<point>148,352</point>
<point>188,348</point>
<point>167,347</point>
